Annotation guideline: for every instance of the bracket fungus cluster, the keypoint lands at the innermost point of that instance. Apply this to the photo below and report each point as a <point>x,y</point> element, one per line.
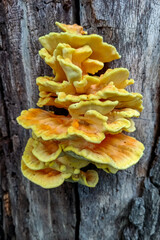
<point>99,110</point>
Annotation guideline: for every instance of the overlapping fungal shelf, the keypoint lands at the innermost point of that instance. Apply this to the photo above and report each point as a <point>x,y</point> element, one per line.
<point>99,110</point>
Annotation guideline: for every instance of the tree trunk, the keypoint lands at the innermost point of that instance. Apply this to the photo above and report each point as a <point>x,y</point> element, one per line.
<point>122,206</point>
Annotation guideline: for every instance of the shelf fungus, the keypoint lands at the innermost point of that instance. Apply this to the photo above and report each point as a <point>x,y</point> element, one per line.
<point>99,112</point>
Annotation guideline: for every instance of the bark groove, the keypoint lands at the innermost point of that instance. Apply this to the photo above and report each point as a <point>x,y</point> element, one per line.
<point>122,206</point>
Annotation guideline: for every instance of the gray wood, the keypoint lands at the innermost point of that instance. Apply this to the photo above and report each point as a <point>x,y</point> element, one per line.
<point>33,213</point>
<point>122,206</point>
<point>133,27</point>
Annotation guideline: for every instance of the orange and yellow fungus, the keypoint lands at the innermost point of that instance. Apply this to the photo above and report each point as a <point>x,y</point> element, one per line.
<point>46,178</point>
<point>71,28</point>
<point>118,151</point>
<point>54,171</point>
<point>99,110</point>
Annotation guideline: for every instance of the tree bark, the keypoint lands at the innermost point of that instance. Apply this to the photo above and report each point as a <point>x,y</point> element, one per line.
<point>122,206</point>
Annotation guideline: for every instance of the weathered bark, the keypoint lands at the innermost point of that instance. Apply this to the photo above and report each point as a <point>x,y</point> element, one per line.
<point>122,206</point>
<point>34,213</point>
<point>133,27</point>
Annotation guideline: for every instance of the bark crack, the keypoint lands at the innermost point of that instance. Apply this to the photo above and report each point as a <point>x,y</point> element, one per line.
<point>7,228</point>
<point>76,19</point>
<point>157,135</point>
<point>4,136</point>
<point>78,212</point>
<point>144,215</point>
<point>76,11</point>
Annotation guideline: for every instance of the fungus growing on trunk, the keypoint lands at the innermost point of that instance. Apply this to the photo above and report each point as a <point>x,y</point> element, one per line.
<point>99,110</point>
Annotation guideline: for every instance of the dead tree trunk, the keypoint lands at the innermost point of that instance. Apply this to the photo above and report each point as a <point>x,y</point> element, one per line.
<point>122,206</point>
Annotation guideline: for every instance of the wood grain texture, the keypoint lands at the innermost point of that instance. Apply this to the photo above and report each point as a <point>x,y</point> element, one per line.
<point>133,27</point>
<point>34,213</point>
<point>122,206</point>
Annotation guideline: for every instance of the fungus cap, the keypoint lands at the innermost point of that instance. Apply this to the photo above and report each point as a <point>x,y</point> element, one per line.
<point>119,151</point>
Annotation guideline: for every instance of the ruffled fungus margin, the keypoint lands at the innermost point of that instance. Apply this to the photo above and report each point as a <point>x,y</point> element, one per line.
<point>99,110</point>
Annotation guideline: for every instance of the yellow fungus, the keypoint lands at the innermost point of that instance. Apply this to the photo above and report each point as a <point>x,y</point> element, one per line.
<point>46,178</point>
<point>99,110</point>
<point>119,151</point>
